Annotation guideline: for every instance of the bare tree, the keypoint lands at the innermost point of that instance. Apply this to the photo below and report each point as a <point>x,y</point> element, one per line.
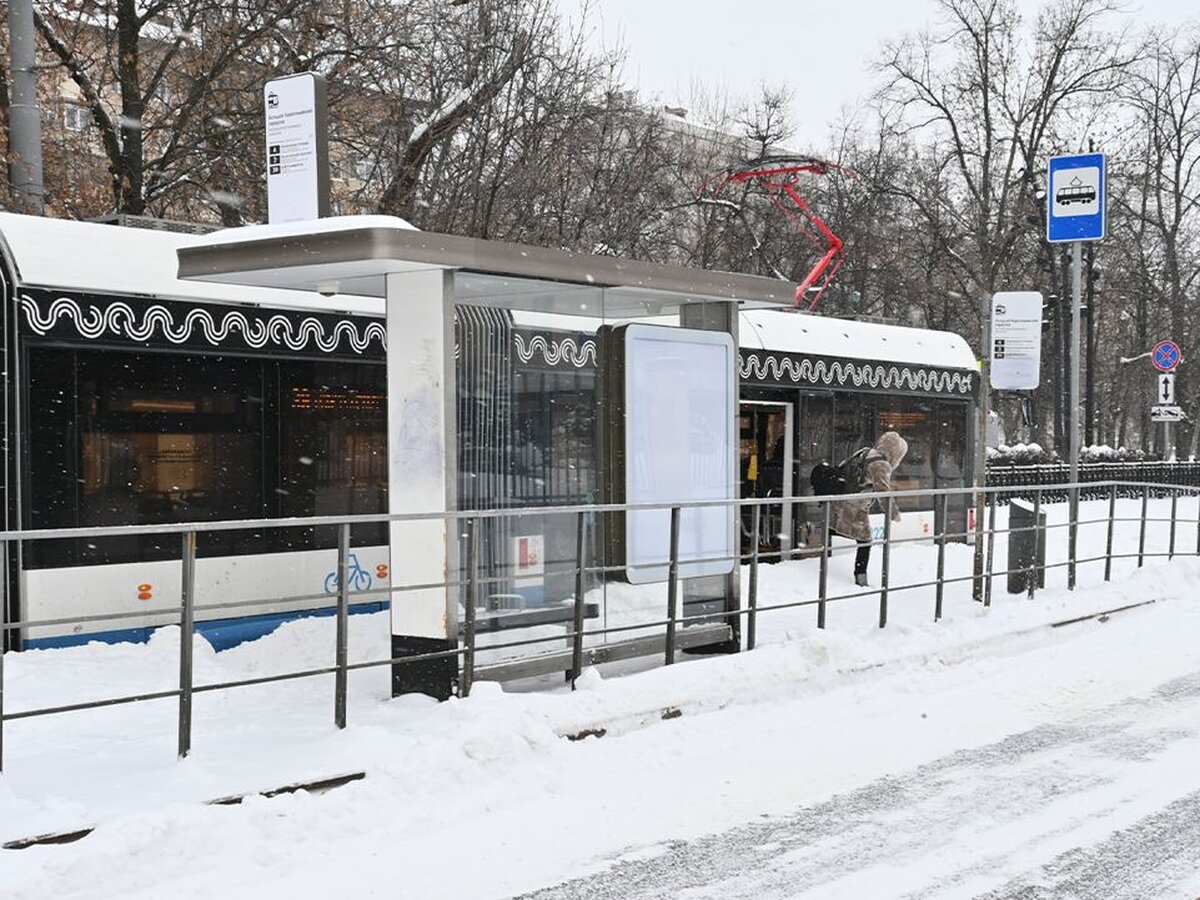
<point>1162,205</point>
<point>991,105</point>
<point>144,71</point>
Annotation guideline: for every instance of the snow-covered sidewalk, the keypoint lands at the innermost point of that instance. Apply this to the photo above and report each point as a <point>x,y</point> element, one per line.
<point>487,797</point>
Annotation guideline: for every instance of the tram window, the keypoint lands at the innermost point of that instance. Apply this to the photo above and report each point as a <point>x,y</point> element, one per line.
<point>814,436</point>
<point>951,445</point>
<point>142,438</point>
<point>332,448</point>
<point>554,424</point>
<point>852,423</point>
<point>950,463</point>
<point>915,421</point>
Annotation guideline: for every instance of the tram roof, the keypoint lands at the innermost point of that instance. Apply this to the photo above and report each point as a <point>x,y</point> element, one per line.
<point>808,334</point>
<point>787,332</point>
<point>101,258</point>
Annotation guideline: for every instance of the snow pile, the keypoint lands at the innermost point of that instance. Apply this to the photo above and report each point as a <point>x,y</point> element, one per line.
<point>486,797</point>
<point>1019,454</point>
<point>1034,454</point>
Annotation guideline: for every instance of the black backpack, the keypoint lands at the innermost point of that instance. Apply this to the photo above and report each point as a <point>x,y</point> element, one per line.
<point>826,480</point>
<point>847,477</point>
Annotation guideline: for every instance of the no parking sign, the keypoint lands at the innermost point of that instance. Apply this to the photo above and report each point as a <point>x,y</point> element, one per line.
<point>1166,355</point>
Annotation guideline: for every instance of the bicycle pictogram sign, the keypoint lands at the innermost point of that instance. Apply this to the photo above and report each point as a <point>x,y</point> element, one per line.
<point>360,578</point>
<point>1165,355</point>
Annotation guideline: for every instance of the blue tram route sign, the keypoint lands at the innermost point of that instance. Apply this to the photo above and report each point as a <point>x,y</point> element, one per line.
<point>1076,202</point>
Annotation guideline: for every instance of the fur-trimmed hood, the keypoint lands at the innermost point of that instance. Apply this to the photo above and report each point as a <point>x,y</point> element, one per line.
<point>893,447</point>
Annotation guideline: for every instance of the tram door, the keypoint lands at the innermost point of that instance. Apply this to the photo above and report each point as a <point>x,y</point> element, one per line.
<point>765,447</point>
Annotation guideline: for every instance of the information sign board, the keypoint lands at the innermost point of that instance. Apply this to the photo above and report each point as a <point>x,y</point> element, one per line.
<point>1166,414</point>
<point>673,420</point>
<point>1165,394</point>
<point>297,132</point>
<point>1016,351</point>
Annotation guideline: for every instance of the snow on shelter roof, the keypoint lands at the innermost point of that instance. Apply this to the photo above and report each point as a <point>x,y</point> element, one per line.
<point>355,254</point>
<point>787,332</point>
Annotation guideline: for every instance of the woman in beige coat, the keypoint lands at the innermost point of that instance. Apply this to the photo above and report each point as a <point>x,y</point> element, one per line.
<point>851,518</point>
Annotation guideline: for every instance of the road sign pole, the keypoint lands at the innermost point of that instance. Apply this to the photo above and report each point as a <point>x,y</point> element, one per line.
<point>985,394</point>
<point>1076,312</point>
<point>1075,212</point>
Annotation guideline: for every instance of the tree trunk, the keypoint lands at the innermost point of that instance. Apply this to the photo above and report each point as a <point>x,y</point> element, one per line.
<point>128,174</point>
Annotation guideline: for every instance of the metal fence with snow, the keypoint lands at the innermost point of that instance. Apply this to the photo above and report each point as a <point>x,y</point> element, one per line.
<point>590,627</point>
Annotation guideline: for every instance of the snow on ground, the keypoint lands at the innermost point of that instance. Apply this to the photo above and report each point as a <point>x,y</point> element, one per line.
<point>486,798</point>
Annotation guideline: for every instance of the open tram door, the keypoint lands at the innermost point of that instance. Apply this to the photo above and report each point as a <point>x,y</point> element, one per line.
<point>765,432</point>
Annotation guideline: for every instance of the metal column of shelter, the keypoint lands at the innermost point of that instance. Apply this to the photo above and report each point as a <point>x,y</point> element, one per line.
<point>721,317</point>
<point>422,477</point>
<point>413,273</point>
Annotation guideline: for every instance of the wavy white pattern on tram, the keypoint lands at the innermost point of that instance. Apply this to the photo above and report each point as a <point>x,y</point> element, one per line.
<point>874,375</point>
<point>770,367</point>
<point>556,351</point>
<point>119,320</point>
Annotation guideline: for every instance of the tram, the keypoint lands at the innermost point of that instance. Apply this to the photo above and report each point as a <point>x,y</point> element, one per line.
<point>132,397</point>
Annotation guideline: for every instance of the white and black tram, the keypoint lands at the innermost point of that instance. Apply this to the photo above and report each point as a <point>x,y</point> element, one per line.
<point>812,389</point>
<point>133,397</point>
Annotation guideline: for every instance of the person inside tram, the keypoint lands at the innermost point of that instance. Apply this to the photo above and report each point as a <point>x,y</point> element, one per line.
<point>868,470</point>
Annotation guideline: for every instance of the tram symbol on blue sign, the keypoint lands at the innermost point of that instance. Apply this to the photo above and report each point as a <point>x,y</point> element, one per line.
<point>1165,355</point>
<point>1075,203</point>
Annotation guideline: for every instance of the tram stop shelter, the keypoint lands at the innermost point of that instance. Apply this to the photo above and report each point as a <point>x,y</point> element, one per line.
<point>473,422</point>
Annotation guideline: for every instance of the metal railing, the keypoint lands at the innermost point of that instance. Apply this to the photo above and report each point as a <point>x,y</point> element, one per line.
<point>1094,477</point>
<point>680,628</point>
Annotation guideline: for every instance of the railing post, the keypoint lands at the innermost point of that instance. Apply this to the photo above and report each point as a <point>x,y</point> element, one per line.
<point>1112,518</point>
<point>673,586</point>
<point>1174,503</point>
<point>1072,534</point>
<point>577,624</point>
<point>4,639</point>
<point>991,548</point>
<point>341,647</point>
<point>1142,529</point>
<point>941,559</point>
<point>1038,533</point>
<point>823,580</point>
<point>472,600</point>
<point>887,554</point>
<point>1198,524</point>
<point>187,627</point>
<point>752,590</point>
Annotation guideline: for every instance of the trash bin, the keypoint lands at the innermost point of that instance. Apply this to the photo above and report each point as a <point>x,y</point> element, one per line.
<point>1023,544</point>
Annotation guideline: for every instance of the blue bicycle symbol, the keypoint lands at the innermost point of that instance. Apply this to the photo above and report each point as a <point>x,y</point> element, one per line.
<point>360,578</point>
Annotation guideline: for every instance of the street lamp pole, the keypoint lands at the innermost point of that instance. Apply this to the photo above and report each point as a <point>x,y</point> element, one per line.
<point>25,123</point>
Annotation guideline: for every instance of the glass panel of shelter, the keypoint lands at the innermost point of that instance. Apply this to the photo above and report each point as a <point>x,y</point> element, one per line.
<point>548,436</point>
<point>526,435</point>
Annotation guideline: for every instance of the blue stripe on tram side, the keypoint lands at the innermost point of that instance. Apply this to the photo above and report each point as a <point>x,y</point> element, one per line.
<point>220,633</point>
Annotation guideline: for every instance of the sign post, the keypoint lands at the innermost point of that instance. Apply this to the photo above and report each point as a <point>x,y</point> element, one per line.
<point>297,129</point>
<point>1075,212</point>
<point>1166,355</point>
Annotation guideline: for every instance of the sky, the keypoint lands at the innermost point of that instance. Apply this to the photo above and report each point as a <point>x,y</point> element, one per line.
<point>822,50</point>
